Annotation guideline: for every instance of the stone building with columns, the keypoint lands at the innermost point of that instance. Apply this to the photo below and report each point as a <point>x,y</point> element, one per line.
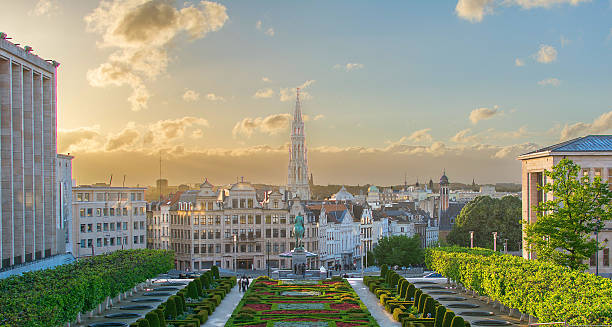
<point>593,153</point>
<point>31,228</point>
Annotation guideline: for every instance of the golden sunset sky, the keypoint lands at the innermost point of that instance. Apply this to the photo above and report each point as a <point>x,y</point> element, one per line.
<point>390,88</point>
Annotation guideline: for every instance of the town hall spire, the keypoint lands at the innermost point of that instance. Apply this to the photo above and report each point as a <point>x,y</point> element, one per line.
<point>297,177</point>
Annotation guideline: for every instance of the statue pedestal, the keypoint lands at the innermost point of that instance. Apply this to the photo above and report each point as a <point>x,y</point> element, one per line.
<point>298,261</point>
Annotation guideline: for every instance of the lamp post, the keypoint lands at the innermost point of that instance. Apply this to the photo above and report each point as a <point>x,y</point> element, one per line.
<point>362,243</point>
<point>235,242</point>
<point>268,261</point>
<point>506,246</point>
<point>494,241</point>
<point>471,239</point>
<point>597,253</point>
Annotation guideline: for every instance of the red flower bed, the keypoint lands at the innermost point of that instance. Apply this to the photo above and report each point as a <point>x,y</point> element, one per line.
<point>297,312</point>
<point>258,307</point>
<point>266,293</point>
<point>344,306</point>
<point>258,325</point>
<point>328,282</point>
<point>298,301</point>
<point>348,324</point>
<point>267,282</point>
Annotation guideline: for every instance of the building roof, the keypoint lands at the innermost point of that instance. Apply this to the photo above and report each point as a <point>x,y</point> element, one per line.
<point>373,188</point>
<point>343,195</point>
<point>242,186</point>
<point>589,143</point>
<point>444,179</point>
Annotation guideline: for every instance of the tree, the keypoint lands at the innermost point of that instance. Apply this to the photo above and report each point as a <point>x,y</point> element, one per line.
<point>399,250</point>
<point>485,215</point>
<point>565,224</point>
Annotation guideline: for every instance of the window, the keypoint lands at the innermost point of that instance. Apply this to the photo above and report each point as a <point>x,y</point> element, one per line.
<point>275,204</point>
<point>268,219</point>
<point>142,225</point>
<point>606,257</point>
<point>218,248</point>
<point>196,249</point>
<point>234,203</point>
<point>250,248</point>
<point>133,196</point>
<point>98,227</point>
<point>79,197</point>
<point>268,233</point>
<point>85,196</point>
<point>135,225</point>
<point>250,219</point>
<point>135,239</point>
<point>275,219</point>
<point>218,234</point>
<point>210,220</point>
<point>283,233</point>
<point>105,212</point>
<point>227,220</point>
<point>112,212</point>
<point>98,212</point>
<point>203,234</point>
<point>135,211</point>
<point>141,239</point>
<point>228,248</point>
<point>98,242</point>
<point>196,220</point>
<point>257,247</point>
<point>218,220</point>
<point>283,219</point>
<point>118,240</point>
<point>243,248</point>
<point>242,219</point>
<point>125,226</point>
<point>105,241</point>
<point>242,203</point>
<point>125,211</point>
<point>112,226</point>
<point>210,234</point>
<point>610,178</point>
<point>275,233</point>
<point>211,248</point>
<point>89,243</point>
<point>258,219</point>
<point>250,203</point>
<point>258,233</point>
<point>598,172</point>
<point>235,219</point>
<point>227,233</point>
<point>593,260</point>
<point>83,228</point>
<point>82,244</point>
<point>203,248</point>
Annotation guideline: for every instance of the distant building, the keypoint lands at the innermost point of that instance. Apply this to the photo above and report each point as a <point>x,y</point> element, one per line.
<point>343,196</point>
<point>447,210</point>
<point>487,189</point>
<point>31,228</point>
<point>593,153</point>
<point>106,219</point>
<point>373,198</point>
<point>340,240</point>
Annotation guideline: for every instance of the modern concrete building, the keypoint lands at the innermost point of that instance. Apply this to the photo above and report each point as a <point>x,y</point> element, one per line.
<point>593,153</point>
<point>106,219</point>
<point>28,111</point>
<point>63,204</point>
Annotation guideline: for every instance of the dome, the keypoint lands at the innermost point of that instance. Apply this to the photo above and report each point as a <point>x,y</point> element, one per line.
<point>373,189</point>
<point>343,195</point>
<point>444,179</point>
<point>206,184</point>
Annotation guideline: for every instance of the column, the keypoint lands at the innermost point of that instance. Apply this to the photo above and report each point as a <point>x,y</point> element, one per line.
<point>38,228</point>
<point>28,164</point>
<point>18,196</point>
<point>6,163</point>
<point>48,168</point>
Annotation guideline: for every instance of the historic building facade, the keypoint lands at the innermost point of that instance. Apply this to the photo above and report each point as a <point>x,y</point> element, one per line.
<point>297,180</point>
<point>593,153</point>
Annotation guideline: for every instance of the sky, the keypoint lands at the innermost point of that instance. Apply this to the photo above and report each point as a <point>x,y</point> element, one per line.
<point>389,89</point>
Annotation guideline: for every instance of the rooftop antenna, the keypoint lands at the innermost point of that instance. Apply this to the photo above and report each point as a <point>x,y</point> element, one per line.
<point>110,183</point>
<point>123,185</point>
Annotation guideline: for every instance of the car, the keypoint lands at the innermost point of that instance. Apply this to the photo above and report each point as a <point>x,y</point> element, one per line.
<point>433,275</point>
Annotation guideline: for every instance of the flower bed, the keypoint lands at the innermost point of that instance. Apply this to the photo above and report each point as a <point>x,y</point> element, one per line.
<point>271,303</point>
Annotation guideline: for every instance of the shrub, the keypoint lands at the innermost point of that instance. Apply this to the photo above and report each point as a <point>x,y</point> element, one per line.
<point>440,311</point>
<point>198,283</point>
<point>192,290</point>
<point>457,322</point>
<point>383,271</point>
<point>143,323</point>
<point>215,272</point>
<point>448,318</point>
<point>421,303</point>
<point>396,313</point>
<point>160,316</point>
<point>171,308</point>
<point>153,319</point>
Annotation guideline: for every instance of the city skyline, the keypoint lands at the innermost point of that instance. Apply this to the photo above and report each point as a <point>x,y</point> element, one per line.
<point>380,98</point>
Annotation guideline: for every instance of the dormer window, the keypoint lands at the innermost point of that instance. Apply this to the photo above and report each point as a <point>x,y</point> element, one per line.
<point>275,204</point>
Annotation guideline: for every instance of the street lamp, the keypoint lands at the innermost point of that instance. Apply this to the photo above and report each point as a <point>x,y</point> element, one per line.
<point>597,253</point>
<point>471,239</point>
<point>362,243</point>
<point>506,246</point>
<point>494,241</point>
<point>235,250</point>
<point>268,261</point>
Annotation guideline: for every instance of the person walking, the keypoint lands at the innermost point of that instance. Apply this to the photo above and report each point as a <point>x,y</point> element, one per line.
<point>246,283</point>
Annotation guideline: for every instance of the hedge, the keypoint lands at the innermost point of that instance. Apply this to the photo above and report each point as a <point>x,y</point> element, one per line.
<point>545,290</point>
<point>53,297</point>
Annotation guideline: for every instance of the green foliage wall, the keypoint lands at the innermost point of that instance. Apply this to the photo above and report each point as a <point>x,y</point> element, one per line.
<point>399,250</point>
<point>542,289</point>
<point>52,297</point>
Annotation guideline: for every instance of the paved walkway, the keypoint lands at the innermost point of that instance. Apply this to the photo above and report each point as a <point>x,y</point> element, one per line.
<point>383,318</point>
<point>225,309</point>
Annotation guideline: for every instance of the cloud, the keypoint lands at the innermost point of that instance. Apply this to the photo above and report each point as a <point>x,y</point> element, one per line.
<point>463,136</point>
<point>270,125</point>
<point>601,124</point>
<point>45,8</point>
<point>549,82</point>
<point>519,63</point>
<point>166,130</point>
<point>259,26</point>
<point>124,139</point>
<point>140,32</point>
<point>564,41</point>
<point>546,54</point>
<point>421,135</point>
<point>349,66</point>
<point>265,79</point>
<point>473,10</point>
<point>197,134</point>
<point>319,116</point>
<point>191,95</point>
<point>287,94</point>
<point>264,93</point>
<point>214,97</point>
<point>521,132</point>
<point>71,140</point>
<point>483,113</point>
<point>512,151</point>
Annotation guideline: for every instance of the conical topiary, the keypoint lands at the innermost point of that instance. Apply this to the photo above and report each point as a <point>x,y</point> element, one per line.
<point>421,303</point>
<point>143,323</point>
<point>171,308</point>
<point>215,272</point>
<point>153,319</point>
<point>440,311</point>
<point>192,290</point>
<point>448,318</point>
<point>458,322</point>
<point>160,316</point>
<point>410,292</point>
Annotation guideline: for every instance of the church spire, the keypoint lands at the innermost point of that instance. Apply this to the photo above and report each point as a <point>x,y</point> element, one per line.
<point>297,177</point>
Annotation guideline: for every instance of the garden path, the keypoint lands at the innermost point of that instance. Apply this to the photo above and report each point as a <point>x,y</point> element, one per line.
<point>225,309</point>
<point>378,312</point>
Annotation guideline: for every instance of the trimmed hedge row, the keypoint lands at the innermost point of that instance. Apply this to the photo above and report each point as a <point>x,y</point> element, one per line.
<point>408,304</point>
<point>271,302</point>
<point>53,297</point>
<point>545,290</point>
<point>192,305</point>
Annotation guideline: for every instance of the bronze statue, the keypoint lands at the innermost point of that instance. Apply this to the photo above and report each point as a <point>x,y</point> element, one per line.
<point>298,230</point>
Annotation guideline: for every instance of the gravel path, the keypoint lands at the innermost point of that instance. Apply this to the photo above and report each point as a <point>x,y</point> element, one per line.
<point>225,309</point>
<point>383,318</point>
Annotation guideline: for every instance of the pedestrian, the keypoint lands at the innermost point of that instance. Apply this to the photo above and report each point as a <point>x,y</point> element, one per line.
<point>241,284</point>
<point>246,283</point>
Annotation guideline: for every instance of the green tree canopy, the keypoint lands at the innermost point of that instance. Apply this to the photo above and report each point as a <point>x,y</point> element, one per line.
<point>485,215</point>
<point>565,224</point>
<point>399,250</point>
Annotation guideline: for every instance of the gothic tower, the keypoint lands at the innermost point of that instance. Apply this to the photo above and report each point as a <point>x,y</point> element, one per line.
<point>444,192</point>
<point>297,181</point>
